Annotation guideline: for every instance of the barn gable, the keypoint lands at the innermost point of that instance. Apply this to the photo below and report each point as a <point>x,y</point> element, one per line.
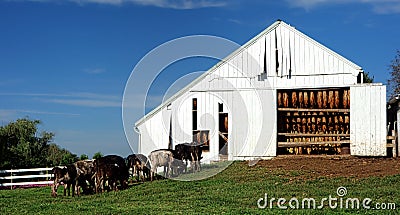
<point>280,56</point>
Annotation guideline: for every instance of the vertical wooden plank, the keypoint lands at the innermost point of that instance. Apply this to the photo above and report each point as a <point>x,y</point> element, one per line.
<point>365,109</point>
<point>270,54</point>
<point>398,126</point>
<point>233,71</point>
<point>224,72</point>
<point>292,53</point>
<point>354,115</point>
<point>382,125</point>
<point>374,119</point>
<point>244,72</point>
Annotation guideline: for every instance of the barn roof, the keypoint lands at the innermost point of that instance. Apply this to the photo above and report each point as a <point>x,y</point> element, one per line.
<point>236,52</point>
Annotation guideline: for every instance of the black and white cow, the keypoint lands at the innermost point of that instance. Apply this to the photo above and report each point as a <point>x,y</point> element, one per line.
<point>189,152</point>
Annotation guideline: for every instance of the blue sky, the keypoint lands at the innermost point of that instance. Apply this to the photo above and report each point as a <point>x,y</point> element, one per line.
<point>66,62</point>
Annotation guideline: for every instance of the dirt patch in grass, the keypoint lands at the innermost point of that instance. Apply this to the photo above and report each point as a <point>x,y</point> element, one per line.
<point>311,167</point>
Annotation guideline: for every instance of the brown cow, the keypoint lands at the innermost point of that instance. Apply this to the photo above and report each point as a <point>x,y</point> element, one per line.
<point>76,175</point>
<point>85,174</point>
<point>177,167</point>
<point>140,165</point>
<point>58,174</point>
<point>111,168</point>
<point>66,175</point>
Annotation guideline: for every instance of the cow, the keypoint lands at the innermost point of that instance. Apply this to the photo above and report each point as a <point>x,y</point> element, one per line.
<point>76,175</point>
<point>58,174</point>
<point>177,167</point>
<point>140,165</point>
<point>85,174</point>
<point>71,179</point>
<point>111,168</point>
<point>161,158</point>
<point>66,175</point>
<point>189,152</point>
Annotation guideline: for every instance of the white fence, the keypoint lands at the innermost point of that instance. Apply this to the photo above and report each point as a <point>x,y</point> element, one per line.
<point>23,177</point>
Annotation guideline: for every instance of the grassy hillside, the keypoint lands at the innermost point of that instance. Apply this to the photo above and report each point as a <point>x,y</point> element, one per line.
<point>234,191</point>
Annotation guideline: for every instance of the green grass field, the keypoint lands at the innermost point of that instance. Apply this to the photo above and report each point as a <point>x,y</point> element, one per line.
<point>233,191</point>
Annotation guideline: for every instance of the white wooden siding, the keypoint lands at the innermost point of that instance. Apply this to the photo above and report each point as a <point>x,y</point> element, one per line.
<point>154,134</point>
<point>368,120</point>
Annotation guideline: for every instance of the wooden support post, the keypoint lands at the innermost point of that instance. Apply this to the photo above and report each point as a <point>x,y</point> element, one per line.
<point>223,136</point>
<point>394,142</point>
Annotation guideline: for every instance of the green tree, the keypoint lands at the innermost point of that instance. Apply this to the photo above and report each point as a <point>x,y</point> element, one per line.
<point>367,78</point>
<point>68,158</point>
<point>57,156</point>
<point>394,80</point>
<point>54,155</point>
<point>83,157</point>
<point>21,146</point>
<point>97,155</point>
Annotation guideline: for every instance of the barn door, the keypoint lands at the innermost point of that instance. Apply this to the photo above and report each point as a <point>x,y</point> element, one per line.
<point>223,133</point>
<point>368,120</point>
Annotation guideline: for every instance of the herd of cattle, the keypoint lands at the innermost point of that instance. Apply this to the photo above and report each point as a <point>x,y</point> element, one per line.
<point>112,171</point>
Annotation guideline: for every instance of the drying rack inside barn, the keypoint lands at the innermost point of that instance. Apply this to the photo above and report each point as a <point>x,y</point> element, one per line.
<point>314,121</point>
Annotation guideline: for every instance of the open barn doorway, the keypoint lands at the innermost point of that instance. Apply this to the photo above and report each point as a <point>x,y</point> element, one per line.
<point>313,121</point>
<point>222,131</point>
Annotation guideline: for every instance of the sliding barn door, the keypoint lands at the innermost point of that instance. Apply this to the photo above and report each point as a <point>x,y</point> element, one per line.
<point>368,120</point>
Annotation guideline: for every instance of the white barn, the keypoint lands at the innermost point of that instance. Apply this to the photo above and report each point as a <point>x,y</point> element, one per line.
<point>281,92</point>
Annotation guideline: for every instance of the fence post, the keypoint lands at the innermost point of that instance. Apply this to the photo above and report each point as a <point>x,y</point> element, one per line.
<point>395,144</point>
<point>11,175</point>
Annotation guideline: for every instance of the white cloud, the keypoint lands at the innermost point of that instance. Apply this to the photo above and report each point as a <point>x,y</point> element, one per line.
<point>86,102</point>
<point>47,112</point>
<point>7,115</point>
<point>386,7</point>
<point>378,6</point>
<point>77,94</point>
<point>174,4</point>
<point>94,71</point>
<point>308,4</point>
<point>180,4</point>
<point>84,99</point>
<point>92,95</point>
<point>112,2</point>
<point>236,21</point>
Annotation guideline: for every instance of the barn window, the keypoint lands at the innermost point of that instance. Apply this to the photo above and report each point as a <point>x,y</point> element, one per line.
<point>222,131</point>
<point>220,107</point>
<point>194,114</point>
<point>360,77</point>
